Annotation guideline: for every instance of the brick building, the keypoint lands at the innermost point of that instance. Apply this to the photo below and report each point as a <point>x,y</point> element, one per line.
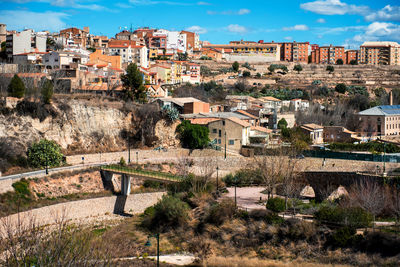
<point>294,52</point>
<point>328,55</point>
<point>380,53</point>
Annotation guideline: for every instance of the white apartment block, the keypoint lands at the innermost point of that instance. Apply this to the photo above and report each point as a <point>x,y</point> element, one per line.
<point>130,54</point>
<point>63,60</point>
<point>26,41</point>
<point>175,40</point>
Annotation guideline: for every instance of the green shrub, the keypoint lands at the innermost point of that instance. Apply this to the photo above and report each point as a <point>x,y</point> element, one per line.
<point>341,88</point>
<point>122,161</point>
<point>193,136</point>
<point>276,204</point>
<point>169,212</point>
<point>352,217</point>
<point>152,184</point>
<point>218,213</point>
<point>342,237</point>
<point>21,188</point>
<point>273,218</point>
<point>47,91</point>
<point>244,177</point>
<point>45,152</point>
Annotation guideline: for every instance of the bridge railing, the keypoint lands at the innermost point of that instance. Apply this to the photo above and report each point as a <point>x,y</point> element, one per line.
<point>148,173</point>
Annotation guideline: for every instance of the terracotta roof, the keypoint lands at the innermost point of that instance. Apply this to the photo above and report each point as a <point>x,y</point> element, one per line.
<point>203,121</point>
<point>239,121</point>
<point>247,114</point>
<point>269,98</point>
<point>261,129</point>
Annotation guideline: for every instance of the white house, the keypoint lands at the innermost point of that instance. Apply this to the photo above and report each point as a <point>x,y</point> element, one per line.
<point>63,60</point>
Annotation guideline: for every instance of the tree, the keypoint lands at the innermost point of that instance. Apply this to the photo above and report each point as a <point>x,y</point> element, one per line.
<point>235,66</point>
<point>330,68</point>
<point>193,136</point>
<point>339,61</point>
<point>298,68</point>
<point>182,56</point>
<point>45,153</point>
<point>282,124</point>
<point>246,74</point>
<point>341,88</point>
<point>16,88</point>
<point>258,75</point>
<point>47,91</point>
<point>353,62</point>
<point>133,84</point>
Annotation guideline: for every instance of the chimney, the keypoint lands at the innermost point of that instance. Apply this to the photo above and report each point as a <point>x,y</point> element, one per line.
<point>391,98</point>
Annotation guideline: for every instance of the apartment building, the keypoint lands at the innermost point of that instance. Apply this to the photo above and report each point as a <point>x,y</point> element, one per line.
<point>351,56</point>
<point>26,41</point>
<point>192,41</point>
<point>294,52</point>
<point>328,55</point>
<point>75,37</point>
<point>129,52</point>
<point>380,53</point>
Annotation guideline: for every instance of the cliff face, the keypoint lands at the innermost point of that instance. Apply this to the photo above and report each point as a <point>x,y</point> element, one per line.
<point>76,125</point>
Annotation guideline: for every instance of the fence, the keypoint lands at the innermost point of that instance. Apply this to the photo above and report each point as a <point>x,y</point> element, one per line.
<point>352,156</point>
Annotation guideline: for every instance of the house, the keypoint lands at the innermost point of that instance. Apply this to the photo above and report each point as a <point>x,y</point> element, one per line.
<point>31,58</point>
<point>154,91</point>
<point>129,52</point>
<point>269,103</point>
<point>26,41</point>
<point>74,37</point>
<point>185,105</point>
<point>315,132</point>
<point>64,60</point>
<point>238,102</point>
<point>380,120</point>
<point>99,57</point>
<point>231,133</point>
<point>338,134</point>
<point>299,104</point>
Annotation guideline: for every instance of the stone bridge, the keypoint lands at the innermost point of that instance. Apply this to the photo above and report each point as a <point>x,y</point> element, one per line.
<point>324,183</point>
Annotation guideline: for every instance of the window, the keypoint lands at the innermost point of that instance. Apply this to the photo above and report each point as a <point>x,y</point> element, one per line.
<point>219,141</point>
<point>219,133</point>
<point>214,130</point>
<point>223,123</point>
<point>231,142</point>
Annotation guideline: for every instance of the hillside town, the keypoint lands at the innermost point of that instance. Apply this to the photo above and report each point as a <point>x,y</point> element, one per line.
<point>243,153</point>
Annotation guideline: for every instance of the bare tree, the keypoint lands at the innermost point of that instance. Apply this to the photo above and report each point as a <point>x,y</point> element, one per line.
<point>183,166</point>
<point>368,195</point>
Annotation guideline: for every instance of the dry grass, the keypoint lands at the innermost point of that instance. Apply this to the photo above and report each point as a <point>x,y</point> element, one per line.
<point>255,262</point>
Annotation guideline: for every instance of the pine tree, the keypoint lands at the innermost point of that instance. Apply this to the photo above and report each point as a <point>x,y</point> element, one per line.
<point>133,83</point>
<point>16,88</point>
<point>47,91</point>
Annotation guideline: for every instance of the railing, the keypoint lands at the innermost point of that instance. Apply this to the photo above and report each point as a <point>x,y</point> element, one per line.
<point>145,173</point>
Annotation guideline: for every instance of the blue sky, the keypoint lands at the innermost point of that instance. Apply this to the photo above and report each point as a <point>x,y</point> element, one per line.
<point>340,22</point>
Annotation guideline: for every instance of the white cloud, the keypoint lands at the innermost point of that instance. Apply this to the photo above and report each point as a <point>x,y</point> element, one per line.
<point>235,28</point>
<point>388,13</point>
<point>20,19</point>
<point>244,11</point>
<point>197,29</point>
<point>240,12</point>
<point>288,38</point>
<point>334,7</point>
<point>301,27</point>
<point>321,20</point>
<point>77,4</point>
<point>201,3</point>
<point>152,2</point>
<point>376,31</point>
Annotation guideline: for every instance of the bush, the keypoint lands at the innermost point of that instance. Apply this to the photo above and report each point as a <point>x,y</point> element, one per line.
<point>353,62</point>
<point>169,212</point>
<point>386,244</point>
<point>330,69</point>
<point>341,88</point>
<point>343,237</point>
<point>282,124</point>
<point>235,66</point>
<point>244,177</point>
<point>193,136</point>
<point>298,68</point>
<point>122,161</point>
<point>352,217</point>
<point>246,74</point>
<point>276,204</point>
<point>218,213</point>
<point>45,152</point>
<point>21,188</point>
<point>339,62</point>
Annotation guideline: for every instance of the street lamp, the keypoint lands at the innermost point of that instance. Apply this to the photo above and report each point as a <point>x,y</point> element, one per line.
<point>148,244</point>
<point>217,179</point>
<point>225,145</point>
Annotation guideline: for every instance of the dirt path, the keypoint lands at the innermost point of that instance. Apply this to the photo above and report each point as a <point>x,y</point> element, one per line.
<point>83,210</point>
<point>247,197</point>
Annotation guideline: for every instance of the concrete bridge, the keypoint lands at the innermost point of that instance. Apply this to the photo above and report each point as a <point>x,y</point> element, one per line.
<point>109,171</point>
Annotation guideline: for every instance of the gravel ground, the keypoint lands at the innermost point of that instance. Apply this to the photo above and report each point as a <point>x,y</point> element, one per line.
<point>84,211</point>
<point>247,197</point>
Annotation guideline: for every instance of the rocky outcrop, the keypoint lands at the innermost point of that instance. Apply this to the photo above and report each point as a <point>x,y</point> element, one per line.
<point>76,125</point>
<point>166,133</point>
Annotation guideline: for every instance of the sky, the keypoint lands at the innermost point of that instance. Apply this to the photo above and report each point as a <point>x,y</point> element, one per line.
<point>324,22</point>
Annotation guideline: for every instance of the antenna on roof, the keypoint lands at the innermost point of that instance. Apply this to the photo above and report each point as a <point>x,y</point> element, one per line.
<point>131,26</point>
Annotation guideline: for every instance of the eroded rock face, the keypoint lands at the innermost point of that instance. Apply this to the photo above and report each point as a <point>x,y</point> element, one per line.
<point>78,126</point>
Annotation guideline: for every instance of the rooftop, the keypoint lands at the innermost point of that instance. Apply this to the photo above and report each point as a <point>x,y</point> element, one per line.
<point>381,111</point>
<point>312,126</point>
<point>222,115</point>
